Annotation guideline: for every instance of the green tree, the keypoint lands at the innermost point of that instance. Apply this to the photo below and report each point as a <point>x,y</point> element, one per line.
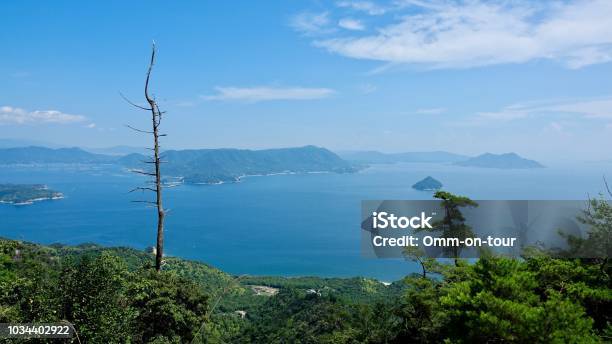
<point>428,265</point>
<point>169,308</point>
<point>420,311</point>
<point>94,298</point>
<point>500,300</point>
<point>453,225</point>
<point>579,280</point>
<point>598,243</point>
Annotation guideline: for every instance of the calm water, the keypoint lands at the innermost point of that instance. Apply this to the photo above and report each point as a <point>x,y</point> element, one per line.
<point>275,225</point>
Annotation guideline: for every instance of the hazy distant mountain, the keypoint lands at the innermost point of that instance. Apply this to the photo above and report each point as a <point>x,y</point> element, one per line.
<point>223,165</point>
<point>374,157</point>
<point>13,143</point>
<point>118,150</point>
<point>43,155</point>
<point>503,161</point>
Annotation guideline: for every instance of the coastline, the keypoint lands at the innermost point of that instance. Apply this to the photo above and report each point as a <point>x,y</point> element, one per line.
<point>33,200</point>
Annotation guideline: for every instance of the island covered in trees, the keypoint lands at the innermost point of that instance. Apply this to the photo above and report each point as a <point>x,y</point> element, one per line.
<point>24,194</point>
<point>196,166</point>
<point>427,184</point>
<point>214,166</point>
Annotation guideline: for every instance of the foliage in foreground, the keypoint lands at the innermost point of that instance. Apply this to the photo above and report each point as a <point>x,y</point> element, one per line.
<point>105,301</point>
<point>538,299</point>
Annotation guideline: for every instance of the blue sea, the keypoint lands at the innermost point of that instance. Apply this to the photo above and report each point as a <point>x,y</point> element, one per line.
<point>291,225</point>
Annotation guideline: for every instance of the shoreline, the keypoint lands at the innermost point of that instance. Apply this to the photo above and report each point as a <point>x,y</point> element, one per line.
<point>385,282</point>
<point>33,200</point>
<point>240,178</point>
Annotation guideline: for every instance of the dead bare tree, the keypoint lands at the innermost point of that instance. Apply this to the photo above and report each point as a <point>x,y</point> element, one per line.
<point>156,184</point>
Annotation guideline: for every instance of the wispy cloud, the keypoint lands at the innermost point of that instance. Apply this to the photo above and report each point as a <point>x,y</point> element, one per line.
<point>463,34</point>
<point>363,6</point>
<point>309,23</point>
<point>14,115</point>
<point>590,109</point>
<point>595,109</point>
<point>431,111</point>
<point>263,93</point>
<point>577,109</point>
<point>351,24</point>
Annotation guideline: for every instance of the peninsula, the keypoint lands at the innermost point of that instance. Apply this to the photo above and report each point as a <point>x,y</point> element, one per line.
<point>24,194</point>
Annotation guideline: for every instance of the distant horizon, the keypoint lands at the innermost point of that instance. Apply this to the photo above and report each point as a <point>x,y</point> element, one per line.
<point>54,145</point>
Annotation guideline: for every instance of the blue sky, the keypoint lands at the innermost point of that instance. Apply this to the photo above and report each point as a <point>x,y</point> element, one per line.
<point>400,75</point>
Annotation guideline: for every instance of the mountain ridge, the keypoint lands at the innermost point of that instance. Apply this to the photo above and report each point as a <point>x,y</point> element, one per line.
<point>501,161</point>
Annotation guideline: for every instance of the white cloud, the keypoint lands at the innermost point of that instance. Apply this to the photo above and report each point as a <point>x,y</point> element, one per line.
<point>13,115</point>
<point>363,6</point>
<point>351,24</point>
<point>597,109</point>
<point>91,125</point>
<point>462,34</point>
<point>431,111</point>
<point>262,93</point>
<point>309,23</point>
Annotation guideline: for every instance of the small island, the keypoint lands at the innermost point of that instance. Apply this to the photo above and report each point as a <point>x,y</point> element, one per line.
<point>25,194</point>
<point>428,184</point>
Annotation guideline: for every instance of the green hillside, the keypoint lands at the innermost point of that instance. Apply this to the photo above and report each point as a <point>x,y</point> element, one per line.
<point>112,295</point>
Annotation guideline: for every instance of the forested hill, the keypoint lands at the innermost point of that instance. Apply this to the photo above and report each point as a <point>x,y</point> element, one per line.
<point>209,166</point>
<point>227,165</point>
<point>113,295</point>
<point>44,155</point>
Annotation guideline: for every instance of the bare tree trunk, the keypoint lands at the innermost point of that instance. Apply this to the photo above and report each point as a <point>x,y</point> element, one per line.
<point>156,116</point>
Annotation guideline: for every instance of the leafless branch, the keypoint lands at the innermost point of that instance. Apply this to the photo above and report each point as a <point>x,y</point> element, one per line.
<point>132,103</point>
<point>143,173</point>
<point>139,130</point>
<point>151,63</point>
